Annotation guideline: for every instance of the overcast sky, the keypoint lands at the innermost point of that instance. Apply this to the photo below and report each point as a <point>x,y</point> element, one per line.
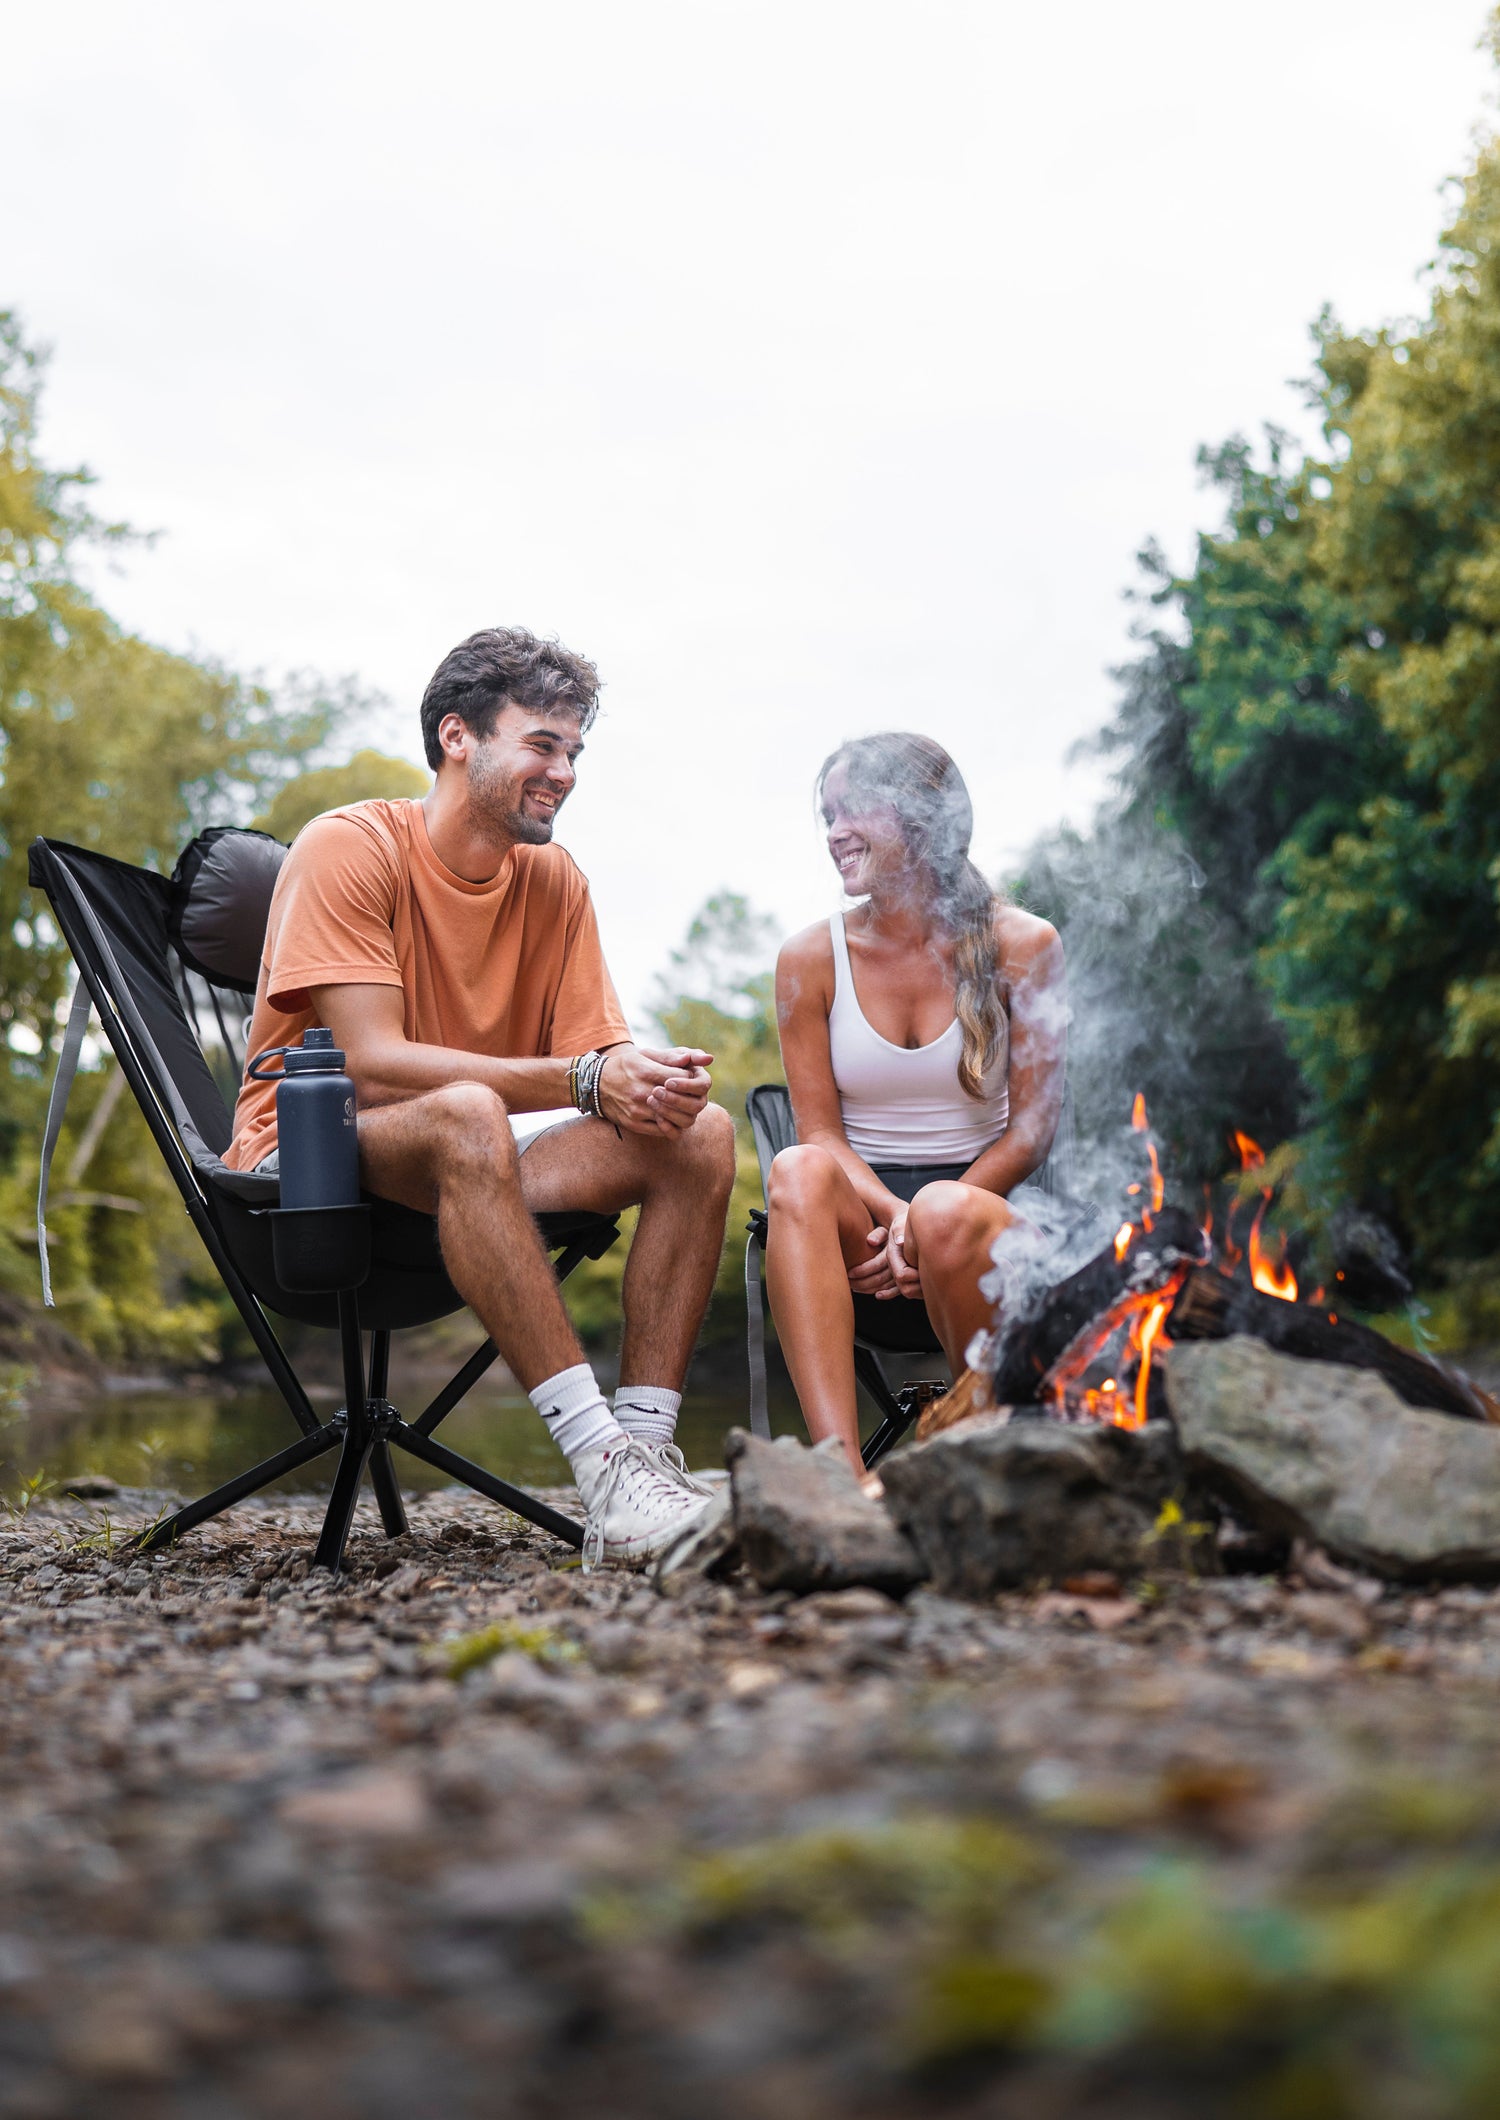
<point>814,368</point>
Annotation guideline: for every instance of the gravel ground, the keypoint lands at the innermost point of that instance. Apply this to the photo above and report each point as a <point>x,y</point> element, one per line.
<point>470,1832</point>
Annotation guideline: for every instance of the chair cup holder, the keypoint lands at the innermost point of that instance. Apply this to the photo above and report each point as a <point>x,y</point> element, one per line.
<point>319,1250</point>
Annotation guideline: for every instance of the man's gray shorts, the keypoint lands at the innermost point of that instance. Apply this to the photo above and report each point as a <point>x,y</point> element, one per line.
<point>526,1126</point>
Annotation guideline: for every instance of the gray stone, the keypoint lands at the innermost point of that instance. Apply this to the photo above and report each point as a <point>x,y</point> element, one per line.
<point>994,1502</point>
<point>709,1546</point>
<point>803,1524</point>
<point>1331,1454</point>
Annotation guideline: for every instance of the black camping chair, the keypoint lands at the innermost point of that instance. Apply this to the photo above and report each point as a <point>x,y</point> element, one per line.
<point>166,964</point>
<point>879,1328</point>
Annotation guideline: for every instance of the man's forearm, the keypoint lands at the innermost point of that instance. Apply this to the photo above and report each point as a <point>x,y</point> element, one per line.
<point>388,1073</point>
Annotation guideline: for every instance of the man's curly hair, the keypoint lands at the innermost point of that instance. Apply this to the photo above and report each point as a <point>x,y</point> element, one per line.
<point>475,680</point>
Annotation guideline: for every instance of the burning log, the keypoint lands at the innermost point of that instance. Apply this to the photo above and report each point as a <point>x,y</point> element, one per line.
<point>1210,1306</point>
<point>1073,1315</point>
<point>1156,1282</point>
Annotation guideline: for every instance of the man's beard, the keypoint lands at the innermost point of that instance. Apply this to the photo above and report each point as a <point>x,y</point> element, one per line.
<point>489,800</point>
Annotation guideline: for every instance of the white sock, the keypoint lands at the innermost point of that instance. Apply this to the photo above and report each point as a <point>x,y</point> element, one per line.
<point>647,1412</point>
<point>577,1418</point>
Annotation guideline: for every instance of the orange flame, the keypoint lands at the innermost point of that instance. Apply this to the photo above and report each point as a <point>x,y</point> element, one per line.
<point>1273,1277</point>
<point>1123,1236</point>
<point>1252,1155</point>
<point>1141,1124</point>
<point>1145,1313</point>
<point>1145,1331</point>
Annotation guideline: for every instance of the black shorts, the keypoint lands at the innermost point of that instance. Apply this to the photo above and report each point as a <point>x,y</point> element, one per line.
<point>898,1323</point>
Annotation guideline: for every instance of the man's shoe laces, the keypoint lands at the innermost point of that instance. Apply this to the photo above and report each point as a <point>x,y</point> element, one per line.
<point>629,1466</point>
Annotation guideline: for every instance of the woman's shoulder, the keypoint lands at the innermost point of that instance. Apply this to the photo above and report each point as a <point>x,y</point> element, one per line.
<point>804,966</point>
<point>1025,939</point>
<point>808,948</point>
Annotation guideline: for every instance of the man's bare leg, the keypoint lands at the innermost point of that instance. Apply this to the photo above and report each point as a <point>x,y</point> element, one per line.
<point>819,1229</point>
<point>451,1154</point>
<point>682,1183</point>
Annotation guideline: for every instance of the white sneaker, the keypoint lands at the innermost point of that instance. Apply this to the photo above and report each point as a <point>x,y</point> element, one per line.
<point>635,1506</point>
<point>674,1465</point>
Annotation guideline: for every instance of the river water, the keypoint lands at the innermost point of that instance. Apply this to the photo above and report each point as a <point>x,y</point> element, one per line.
<point>191,1440</point>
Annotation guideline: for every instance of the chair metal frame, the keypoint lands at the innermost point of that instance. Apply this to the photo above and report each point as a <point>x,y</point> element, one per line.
<point>367,1427</point>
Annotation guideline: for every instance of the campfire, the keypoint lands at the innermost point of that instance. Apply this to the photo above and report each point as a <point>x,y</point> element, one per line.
<point>1090,1347</point>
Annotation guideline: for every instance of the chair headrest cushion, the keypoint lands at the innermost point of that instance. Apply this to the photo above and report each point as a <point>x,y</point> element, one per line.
<point>221,901</point>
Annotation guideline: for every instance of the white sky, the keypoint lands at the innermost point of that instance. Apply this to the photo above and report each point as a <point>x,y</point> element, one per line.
<point>814,368</point>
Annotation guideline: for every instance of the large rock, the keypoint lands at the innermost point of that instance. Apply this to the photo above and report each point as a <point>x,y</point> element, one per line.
<point>1332,1453</point>
<point>802,1522</point>
<point>997,1502</point>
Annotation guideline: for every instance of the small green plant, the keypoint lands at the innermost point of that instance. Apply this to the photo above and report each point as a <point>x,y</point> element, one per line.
<point>18,1506</point>
<point>100,1540</point>
<point>544,1645</point>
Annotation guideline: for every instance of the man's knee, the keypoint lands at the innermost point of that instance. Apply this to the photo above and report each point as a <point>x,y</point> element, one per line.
<point>712,1139</point>
<point>470,1129</point>
<point>801,1178</point>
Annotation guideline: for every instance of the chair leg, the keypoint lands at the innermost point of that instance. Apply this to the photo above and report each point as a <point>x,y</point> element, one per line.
<point>359,1439</point>
<point>909,1403</point>
<point>387,1489</point>
<point>273,1468</point>
<point>463,1469</point>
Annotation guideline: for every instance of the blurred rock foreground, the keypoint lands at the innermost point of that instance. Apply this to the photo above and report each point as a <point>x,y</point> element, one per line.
<point>470,1832</point>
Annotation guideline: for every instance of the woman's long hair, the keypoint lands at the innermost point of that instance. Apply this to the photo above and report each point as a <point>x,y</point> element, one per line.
<point>917,779</point>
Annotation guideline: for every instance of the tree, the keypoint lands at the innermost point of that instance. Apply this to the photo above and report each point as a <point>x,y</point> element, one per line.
<point>1233,742</point>
<point>367,776</point>
<point>109,741</point>
<point>1385,959</point>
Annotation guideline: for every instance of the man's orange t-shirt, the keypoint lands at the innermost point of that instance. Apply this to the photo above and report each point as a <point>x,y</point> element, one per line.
<point>511,968</point>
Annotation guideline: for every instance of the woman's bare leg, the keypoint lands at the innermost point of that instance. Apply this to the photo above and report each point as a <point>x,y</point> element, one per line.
<point>950,1228</point>
<point>819,1228</point>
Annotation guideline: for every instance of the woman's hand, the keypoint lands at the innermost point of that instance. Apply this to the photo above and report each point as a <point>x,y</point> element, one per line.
<point>907,1280</point>
<point>872,1276</point>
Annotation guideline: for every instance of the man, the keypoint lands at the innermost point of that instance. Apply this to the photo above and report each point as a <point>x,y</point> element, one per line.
<point>452,950</point>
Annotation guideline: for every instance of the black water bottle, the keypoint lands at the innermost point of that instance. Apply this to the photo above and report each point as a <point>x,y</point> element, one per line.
<point>315,1129</point>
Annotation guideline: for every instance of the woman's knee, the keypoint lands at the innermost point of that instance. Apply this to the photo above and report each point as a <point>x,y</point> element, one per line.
<point>950,1221</point>
<point>801,1179</point>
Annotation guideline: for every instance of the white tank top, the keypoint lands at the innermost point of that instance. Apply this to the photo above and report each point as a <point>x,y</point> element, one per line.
<point>905,1105</point>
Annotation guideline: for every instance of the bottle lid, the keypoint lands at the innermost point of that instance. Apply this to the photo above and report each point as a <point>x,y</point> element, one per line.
<point>317,1055</point>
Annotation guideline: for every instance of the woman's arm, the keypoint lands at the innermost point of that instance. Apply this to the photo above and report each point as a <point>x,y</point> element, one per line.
<point>1038,1005</point>
<point>804,995</point>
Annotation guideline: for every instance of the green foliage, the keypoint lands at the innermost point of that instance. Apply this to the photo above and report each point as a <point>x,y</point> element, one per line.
<point>369,776</point>
<point>111,742</point>
<point>1286,920</point>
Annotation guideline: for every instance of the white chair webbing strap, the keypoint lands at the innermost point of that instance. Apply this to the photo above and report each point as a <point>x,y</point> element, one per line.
<point>57,1105</point>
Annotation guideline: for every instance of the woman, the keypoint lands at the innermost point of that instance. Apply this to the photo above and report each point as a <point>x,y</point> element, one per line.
<point>923,1035</point>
